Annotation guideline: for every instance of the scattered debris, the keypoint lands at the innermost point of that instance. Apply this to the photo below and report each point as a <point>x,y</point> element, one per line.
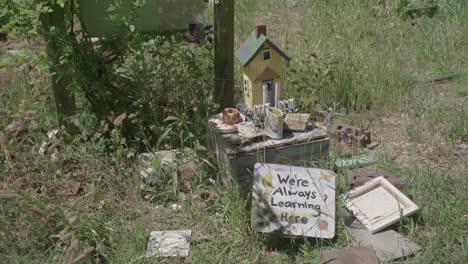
<point>156,167</point>
<point>388,245</point>
<point>441,79</point>
<point>207,196</point>
<point>373,145</point>
<point>15,128</point>
<point>353,255</point>
<point>75,254</point>
<point>419,11</point>
<point>119,120</point>
<point>169,243</point>
<point>50,147</point>
<point>73,189</point>
<point>361,176</point>
<point>166,164</point>
<point>351,135</point>
<point>210,181</point>
<point>378,204</point>
<point>176,207</point>
<point>55,158</point>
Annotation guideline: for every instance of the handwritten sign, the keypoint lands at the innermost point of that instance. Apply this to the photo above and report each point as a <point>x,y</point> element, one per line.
<point>295,201</point>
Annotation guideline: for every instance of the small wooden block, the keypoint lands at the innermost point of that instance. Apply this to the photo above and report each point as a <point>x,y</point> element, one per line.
<point>361,176</point>
<point>353,255</point>
<point>296,122</point>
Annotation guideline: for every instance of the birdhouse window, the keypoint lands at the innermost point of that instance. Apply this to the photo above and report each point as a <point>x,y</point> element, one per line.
<point>266,55</point>
<point>246,86</point>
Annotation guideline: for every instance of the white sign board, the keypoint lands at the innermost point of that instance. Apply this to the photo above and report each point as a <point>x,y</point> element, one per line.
<point>295,201</point>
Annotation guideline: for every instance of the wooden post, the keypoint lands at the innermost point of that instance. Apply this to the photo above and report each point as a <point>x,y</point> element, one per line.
<point>224,53</point>
<point>60,71</point>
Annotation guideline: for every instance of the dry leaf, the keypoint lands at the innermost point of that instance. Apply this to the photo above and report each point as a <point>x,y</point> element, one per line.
<point>118,120</point>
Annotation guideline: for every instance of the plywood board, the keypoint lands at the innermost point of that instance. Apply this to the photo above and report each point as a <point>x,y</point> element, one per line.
<point>294,201</point>
<point>378,204</point>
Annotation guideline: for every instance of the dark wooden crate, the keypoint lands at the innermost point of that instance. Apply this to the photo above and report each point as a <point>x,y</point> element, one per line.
<point>236,157</point>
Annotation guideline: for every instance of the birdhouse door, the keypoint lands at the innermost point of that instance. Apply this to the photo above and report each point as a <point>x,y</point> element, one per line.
<point>269,93</point>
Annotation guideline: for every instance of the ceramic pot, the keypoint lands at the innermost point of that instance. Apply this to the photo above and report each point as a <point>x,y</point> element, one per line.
<point>231,116</point>
<point>274,123</point>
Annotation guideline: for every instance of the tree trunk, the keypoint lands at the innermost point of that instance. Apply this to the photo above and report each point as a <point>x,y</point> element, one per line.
<point>60,71</point>
<point>224,53</point>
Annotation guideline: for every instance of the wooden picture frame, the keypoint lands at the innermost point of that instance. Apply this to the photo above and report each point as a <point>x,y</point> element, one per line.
<point>378,204</point>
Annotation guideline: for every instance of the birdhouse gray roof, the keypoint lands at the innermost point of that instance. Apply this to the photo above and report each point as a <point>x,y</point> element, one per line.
<point>252,46</point>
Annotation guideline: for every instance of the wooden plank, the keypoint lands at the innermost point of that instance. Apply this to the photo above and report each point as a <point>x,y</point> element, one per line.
<point>224,53</point>
<point>378,204</point>
<point>60,71</point>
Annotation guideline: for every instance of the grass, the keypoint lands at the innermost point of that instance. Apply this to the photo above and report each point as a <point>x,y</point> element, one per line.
<point>358,53</point>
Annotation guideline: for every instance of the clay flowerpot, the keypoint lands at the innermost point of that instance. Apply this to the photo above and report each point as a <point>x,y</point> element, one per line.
<point>274,123</point>
<point>231,116</point>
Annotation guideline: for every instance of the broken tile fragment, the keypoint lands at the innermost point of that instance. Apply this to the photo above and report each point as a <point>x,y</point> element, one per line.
<point>169,243</point>
<point>352,255</point>
<point>388,244</point>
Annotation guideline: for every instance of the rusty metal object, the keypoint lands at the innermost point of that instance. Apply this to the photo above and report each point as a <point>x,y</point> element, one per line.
<point>365,139</point>
<point>351,135</point>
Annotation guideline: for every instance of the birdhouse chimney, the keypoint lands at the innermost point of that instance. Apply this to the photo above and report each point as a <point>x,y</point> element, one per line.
<point>260,29</point>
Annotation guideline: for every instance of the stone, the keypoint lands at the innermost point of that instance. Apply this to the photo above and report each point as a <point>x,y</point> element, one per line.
<point>352,255</point>
<point>388,245</point>
<point>169,243</point>
<point>361,176</point>
<point>373,145</point>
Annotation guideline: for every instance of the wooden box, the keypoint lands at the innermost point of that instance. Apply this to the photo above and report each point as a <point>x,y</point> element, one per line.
<point>236,156</point>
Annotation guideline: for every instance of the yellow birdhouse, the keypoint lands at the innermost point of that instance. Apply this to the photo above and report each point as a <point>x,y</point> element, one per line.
<point>262,63</point>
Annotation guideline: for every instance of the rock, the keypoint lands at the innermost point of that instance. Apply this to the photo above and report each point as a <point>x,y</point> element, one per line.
<point>373,145</point>
<point>169,243</point>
